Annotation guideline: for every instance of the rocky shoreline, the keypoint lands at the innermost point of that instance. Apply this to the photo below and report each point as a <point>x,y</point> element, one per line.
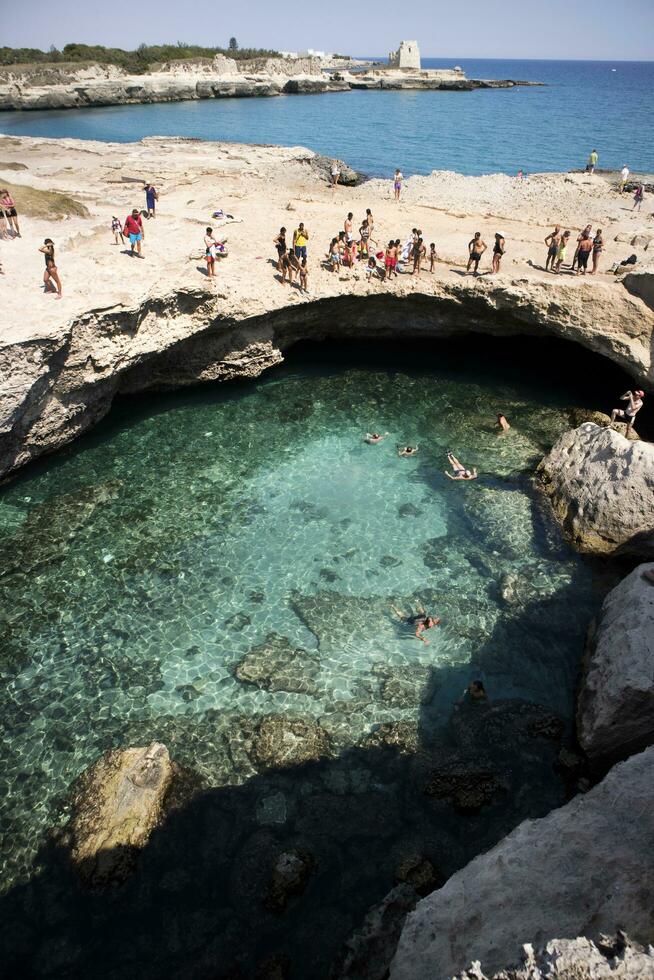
<point>124,325</point>
<point>53,87</point>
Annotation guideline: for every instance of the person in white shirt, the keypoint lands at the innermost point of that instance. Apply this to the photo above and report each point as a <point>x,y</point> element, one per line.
<point>397,183</point>
<point>624,173</point>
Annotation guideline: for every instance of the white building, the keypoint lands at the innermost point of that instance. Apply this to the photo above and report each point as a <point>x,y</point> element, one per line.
<point>406,56</point>
<point>309,53</point>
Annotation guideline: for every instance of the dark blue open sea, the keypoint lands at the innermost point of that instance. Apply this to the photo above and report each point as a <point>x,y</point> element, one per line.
<point>586,104</point>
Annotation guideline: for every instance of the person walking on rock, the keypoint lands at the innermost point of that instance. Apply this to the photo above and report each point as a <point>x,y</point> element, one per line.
<point>151,198</point>
<point>639,193</point>
<point>631,410</point>
<point>134,228</point>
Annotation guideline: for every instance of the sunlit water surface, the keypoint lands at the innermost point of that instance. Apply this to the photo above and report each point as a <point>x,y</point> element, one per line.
<point>141,567</point>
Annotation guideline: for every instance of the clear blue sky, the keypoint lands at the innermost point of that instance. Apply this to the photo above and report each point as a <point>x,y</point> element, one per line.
<point>596,29</point>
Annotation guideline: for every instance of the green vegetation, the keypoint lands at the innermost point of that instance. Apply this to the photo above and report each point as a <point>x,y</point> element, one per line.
<point>43,204</point>
<point>135,62</point>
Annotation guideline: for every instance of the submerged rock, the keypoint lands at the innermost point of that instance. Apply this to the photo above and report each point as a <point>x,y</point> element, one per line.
<point>578,871</point>
<point>119,802</point>
<point>400,735</point>
<point>576,959</point>
<point>417,871</point>
<point>280,742</point>
<point>503,520</point>
<point>370,950</point>
<point>466,789</point>
<point>615,713</point>
<point>290,873</point>
<point>276,665</point>
<point>602,490</point>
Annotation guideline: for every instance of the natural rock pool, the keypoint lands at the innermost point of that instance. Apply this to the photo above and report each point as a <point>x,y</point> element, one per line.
<point>205,560</point>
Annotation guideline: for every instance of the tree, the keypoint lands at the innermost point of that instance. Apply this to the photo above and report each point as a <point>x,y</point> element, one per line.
<point>233,44</point>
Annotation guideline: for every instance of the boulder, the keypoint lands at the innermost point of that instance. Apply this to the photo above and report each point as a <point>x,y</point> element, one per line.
<point>323,165</point>
<point>118,803</point>
<point>615,713</point>
<point>370,950</point>
<point>289,876</point>
<point>577,417</point>
<point>583,870</point>
<point>280,742</point>
<point>612,958</point>
<point>465,788</point>
<point>641,241</point>
<point>602,490</point>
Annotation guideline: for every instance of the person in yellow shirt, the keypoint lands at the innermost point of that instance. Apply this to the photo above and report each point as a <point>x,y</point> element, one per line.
<point>300,239</point>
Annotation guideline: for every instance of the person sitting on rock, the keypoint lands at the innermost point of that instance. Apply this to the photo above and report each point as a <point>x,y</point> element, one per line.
<point>460,472</point>
<point>421,620</point>
<point>629,413</point>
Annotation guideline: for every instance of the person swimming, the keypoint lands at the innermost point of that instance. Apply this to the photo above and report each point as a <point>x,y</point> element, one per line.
<point>460,472</point>
<point>407,450</point>
<point>421,620</point>
<point>373,437</point>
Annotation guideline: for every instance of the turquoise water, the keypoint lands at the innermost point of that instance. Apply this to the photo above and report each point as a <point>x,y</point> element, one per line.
<point>142,566</point>
<point>585,104</point>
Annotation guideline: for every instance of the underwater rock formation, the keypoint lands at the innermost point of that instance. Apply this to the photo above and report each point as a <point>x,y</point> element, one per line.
<point>118,804</point>
<point>602,490</point>
<point>615,714</point>
<point>281,741</point>
<point>578,871</point>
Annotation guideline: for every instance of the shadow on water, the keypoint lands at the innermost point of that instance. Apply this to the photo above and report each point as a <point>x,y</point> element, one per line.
<point>413,802</point>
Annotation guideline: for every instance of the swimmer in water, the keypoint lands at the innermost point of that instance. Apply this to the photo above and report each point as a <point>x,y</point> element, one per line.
<point>372,437</point>
<point>502,423</point>
<point>407,450</point>
<point>421,620</point>
<point>460,472</point>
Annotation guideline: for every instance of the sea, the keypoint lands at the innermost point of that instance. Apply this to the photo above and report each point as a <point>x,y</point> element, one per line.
<point>582,105</point>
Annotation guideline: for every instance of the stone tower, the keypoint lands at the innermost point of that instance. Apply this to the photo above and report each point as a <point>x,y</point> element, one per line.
<point>406,56</point>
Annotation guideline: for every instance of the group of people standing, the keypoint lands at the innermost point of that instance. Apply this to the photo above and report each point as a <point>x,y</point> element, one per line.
<point>587,244</point>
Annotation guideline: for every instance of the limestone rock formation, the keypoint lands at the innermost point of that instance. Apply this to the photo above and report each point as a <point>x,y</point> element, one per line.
<point>602,490</point>
<point>615,714</point>
<point>276,665</point>
<point>582,870</point>
<point>577,959</point>
<point>370,949</point>
<point>119,802</point>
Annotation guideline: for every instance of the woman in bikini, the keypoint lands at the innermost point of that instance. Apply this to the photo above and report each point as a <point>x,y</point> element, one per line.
<point>460,472</point>
<point>498,251</point>
<point>280,244</point>
<point>598,248</point>
<point>421,620</point>
<point>51,279</point>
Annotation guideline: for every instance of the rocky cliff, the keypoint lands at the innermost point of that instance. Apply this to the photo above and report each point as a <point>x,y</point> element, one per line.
<point>615,714</point>
<point>583,870</point>
<point>602,490</point>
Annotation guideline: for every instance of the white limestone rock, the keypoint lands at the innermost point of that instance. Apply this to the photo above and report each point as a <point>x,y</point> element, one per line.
<point>585,869</point>
<point>615,713</point>
<point>602,490</point>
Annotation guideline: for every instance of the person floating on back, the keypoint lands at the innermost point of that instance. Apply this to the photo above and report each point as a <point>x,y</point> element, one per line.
<point>460,472</point>
<point>630,411</point>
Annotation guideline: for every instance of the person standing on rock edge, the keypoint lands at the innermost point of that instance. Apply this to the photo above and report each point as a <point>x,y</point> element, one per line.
<point>499,249</point>
<point>624,174</point>
<point>580,238</point>
<point>397,183</point>
<point>134,228</point>
<point>151,197</point>
<point>335,174</point>
<point>552,241</point>
<point>347,228</point>
<point>560,255</point>
<point>583,254</point>
<point>598,248</point>
<point>628,414</point>
<point>280,243</point>
<point>8,205</point>
<point>476,248</point>
<point>51,275</point>
<point>300,239</point>
<point>592,162</point>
